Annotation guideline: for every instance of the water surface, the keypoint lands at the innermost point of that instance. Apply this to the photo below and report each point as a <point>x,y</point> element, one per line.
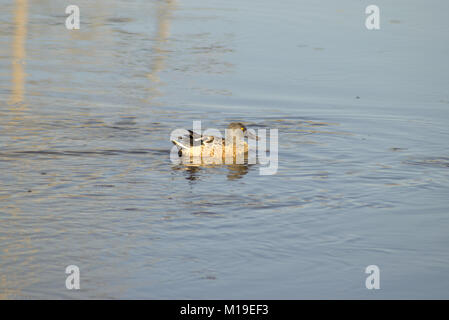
<point>86,179</point>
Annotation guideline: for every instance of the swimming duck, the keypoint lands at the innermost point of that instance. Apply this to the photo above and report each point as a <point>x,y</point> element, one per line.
<point>213,149</point>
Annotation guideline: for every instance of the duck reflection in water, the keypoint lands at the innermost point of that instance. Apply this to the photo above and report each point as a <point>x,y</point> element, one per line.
<point>194,172</point>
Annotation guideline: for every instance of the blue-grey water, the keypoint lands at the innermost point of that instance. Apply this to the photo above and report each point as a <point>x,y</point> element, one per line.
<point>86,178</point>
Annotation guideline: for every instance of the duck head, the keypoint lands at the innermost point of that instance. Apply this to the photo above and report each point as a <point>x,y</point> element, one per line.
<point>241,126</point>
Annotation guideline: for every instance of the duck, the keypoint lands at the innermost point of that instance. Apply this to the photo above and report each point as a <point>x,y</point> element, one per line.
<point>212,149</point>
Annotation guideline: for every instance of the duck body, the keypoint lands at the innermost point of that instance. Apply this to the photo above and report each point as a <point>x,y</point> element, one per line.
<point>195,148</point>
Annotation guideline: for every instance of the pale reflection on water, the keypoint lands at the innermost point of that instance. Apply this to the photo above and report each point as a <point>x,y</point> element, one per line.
<point>86,178</point>
<point>163,14</point>
<point>18,55</point>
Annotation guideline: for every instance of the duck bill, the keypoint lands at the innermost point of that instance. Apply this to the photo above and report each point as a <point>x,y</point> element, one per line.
<point>252,136</point>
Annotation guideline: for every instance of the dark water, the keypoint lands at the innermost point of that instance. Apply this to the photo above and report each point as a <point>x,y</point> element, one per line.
<point>86,179</point>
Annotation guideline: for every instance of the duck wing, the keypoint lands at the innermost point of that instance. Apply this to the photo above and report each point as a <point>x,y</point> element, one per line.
<point>193,136</point>
<point>187,141</point>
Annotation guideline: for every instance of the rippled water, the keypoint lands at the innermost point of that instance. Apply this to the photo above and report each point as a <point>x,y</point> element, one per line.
<point>86,179</point>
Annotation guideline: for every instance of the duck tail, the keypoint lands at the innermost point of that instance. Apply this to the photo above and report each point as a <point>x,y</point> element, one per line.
<point>179,145</point>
